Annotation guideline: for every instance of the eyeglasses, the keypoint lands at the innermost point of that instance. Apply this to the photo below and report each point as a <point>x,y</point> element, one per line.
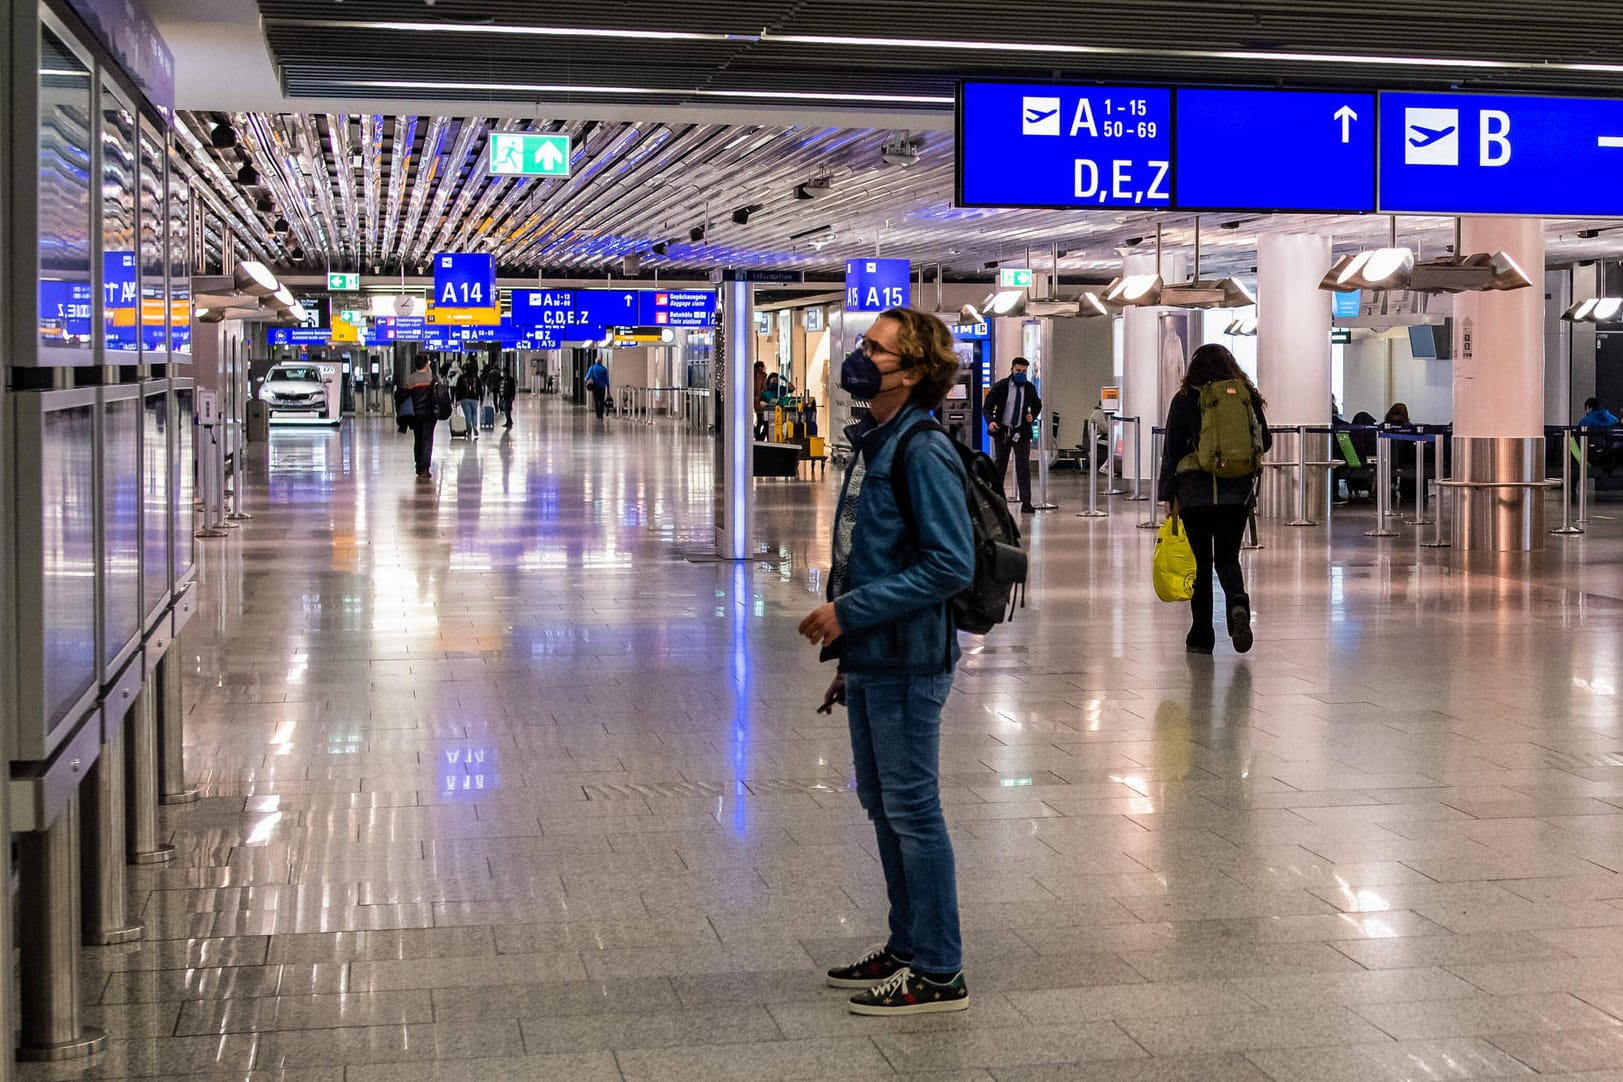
<point>872,348</point>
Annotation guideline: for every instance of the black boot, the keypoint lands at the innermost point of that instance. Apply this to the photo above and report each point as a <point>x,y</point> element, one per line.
<point>1240,623</point>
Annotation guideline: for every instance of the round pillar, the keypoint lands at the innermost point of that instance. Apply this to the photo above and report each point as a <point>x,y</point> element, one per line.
<point>1143,394</point>
<point>1293,367</point>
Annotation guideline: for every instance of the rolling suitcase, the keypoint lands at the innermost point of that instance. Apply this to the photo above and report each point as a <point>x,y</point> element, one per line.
<point>459,426</point>
<point>487,418</point>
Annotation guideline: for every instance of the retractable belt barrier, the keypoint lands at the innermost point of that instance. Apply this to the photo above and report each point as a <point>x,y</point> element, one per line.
<point>1158,436</point>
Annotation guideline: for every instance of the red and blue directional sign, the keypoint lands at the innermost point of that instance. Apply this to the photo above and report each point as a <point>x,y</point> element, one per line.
<point>676,308</point>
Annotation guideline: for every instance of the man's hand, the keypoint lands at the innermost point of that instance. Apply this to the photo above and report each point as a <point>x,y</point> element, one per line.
<point>834,695</point>
<point>822,626</point>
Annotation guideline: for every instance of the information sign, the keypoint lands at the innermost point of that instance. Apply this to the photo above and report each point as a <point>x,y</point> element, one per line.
<point>465,287</point>
<point>873,285</point>
<point>1347,305</point>
<point>606,307</point>
<point>528,154</point>
<point>299,336</point>
<point>1301,150</point>
<point>1042,145</point>
<point>343,281</point>
<point>676,308</point>
<point>1501,154</point>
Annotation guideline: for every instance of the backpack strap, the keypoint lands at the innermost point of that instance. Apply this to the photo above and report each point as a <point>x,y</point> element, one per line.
<point>898,468</point>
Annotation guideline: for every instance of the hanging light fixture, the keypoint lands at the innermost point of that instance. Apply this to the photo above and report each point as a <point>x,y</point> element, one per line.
<point>1595,310</point>
<point>1206,293</point>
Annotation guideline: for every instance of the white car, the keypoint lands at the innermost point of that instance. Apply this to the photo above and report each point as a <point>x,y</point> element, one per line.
<point>295,389</point>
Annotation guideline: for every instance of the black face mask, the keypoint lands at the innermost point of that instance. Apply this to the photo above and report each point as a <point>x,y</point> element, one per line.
<point>859,376</point>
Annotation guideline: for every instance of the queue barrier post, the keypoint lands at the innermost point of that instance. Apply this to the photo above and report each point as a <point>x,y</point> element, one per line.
<point>1301,518</point>
<point>1111,421</point>
<point>1583,477</point>
<point>1093,474</point>
<point>1567,528</point>
<point>1157,436</point>
<point>1420,518</point>
<point>1383,490</point>
<point>1138,458</point>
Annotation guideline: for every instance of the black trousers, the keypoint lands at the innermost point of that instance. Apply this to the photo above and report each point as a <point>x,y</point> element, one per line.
<point>598,395</point>
<point>1022,467</point>
<point>422,429</point>
<point>1215,534</point>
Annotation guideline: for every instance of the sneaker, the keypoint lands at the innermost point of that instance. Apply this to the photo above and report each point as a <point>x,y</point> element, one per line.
<point>1240,628</point>
<point>872,968</point>
<point>908,993</point>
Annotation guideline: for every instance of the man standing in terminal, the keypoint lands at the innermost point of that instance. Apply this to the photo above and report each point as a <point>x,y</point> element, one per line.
<point>1011,405</point>
<point>597,382</point>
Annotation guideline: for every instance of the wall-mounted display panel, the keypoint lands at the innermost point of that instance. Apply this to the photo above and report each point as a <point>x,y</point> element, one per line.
<point>180,269</point>
<point>156,438</point>
<point>120,195</point>
<point>55,562</point>
<point>62,199</point>
<point>152,258</point>
<point>119,449</point>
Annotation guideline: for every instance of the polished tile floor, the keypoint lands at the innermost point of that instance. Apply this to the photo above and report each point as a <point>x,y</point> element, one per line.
<point>502,782</point>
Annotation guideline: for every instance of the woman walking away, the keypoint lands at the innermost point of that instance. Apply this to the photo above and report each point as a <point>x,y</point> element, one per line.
<point>903,548</point>
<point>1216,435</point>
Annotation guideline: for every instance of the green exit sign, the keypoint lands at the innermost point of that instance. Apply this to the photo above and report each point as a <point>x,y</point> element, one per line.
<point>351,316</point>
<point>528,154</point>
<point>339,281</point>
<point>1014,278</point>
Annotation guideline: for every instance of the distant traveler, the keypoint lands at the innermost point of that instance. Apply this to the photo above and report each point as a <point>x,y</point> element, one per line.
<point>1216,435</point>
<point>466,390</point>
<point>1011,405</point>
<point>597,381</point>
<point>507,390</point>
<point>889,624</point>
<point>761,426</point>
<point>419,387</point>
<point>1597,416</point>
<point>1398,415</point>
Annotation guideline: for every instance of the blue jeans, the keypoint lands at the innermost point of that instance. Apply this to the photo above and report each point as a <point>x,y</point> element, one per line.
<point>896,743</point>
<point>470,410</point>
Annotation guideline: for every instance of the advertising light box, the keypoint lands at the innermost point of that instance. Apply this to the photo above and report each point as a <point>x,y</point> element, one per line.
<point>1501,154</point>
<point>1275,150</point>
<point>1044,145</point>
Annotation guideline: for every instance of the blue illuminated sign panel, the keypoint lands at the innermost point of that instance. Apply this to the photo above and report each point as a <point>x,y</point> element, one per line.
<point>299,336</point>
<point>1501,154</point>
<point>1274,150</point>
<point>676,308</point>
<point>64,308</point>
<point>543,307</point>
<point>1042,145</point>
<point>121,300</point>
<point>1347,305</point>
<point>606,307</point>
<point>972,332</point>
<point>465,280</point>
<point>873,285</point>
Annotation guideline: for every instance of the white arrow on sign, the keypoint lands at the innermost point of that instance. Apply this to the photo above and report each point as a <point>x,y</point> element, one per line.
<point>549,155</point>
<point>1346,116</point>
<point>1610,141</point>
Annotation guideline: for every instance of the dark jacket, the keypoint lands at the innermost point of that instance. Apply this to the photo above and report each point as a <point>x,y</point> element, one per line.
<point>467,386</point>
<point>893,614</point>
<point>998,398</point>
<point>1194,488</point>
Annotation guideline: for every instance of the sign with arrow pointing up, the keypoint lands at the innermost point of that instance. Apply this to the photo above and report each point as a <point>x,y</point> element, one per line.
<point>528,154</point>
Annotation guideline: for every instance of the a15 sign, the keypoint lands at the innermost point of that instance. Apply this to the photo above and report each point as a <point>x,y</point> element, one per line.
<point>873,285</point>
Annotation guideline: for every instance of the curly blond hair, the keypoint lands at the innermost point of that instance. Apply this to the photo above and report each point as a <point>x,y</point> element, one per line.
<point>925,345</point>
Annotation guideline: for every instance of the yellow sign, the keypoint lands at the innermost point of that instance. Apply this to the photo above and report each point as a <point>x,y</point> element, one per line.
<point>345,332</point>
<point>1110,399</point>
<point>482,317</point>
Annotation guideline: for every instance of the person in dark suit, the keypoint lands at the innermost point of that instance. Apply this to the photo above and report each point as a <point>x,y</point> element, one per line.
<point>1011,405</point>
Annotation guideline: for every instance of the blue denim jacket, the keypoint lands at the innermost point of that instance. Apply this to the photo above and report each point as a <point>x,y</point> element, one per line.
<point>893,614</point>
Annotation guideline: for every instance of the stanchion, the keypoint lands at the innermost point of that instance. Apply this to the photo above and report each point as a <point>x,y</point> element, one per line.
<point>1383,492</point>
<point>1138,458</point>
<point>1157,435</point>
<point>1437,541</point>
<point>102,841</point>
<point>1111,421</point>
<point>1254,541</point>
<point>1301,518</point>
<point>48,943</point>
<point>1566,527</point>
<point>1420,518</point>
<point>1583,477</point>
<point>141,820</point>
<point>1093,475</point>
<point>171,734</point>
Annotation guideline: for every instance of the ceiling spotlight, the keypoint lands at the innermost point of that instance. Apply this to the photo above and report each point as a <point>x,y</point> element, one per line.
<point>296,255</point>
<point>280,225</point>
<point>1005,302</point>
<point>1134,289</point>
<point>1378,268</point>
<point>1231,225</point>
<point>223,137</point>
<point>815,188</point>
<point>903,152</point>
<point>660,247</point>
<point>1211,293</point>
<point>1132,242</point>
<point>1588,234</point>
<point>248,176</point>
<point>741,216</point>
<point>1595,310</point>
<point>210,315</point>
<point>265,204</point>
<point>254,279</point>
<point>696,234</point>
<point>1091,305</point>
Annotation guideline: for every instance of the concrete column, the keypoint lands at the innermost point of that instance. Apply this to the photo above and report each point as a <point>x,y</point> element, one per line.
<point>1293,328</point>
<point>735,384</point>
<point>1499,395</point>
<point>1143,394</point>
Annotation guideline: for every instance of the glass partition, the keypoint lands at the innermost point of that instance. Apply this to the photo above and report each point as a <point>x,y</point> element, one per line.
<point>180,269</point>
<point>152,258</point>
<point>63,202</point>
<point>185,485</point>
<point>119,228</point>
<point>121,534</point>
<point>155,497</point>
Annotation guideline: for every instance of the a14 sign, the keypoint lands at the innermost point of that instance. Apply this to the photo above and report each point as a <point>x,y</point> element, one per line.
<point>465,280</point>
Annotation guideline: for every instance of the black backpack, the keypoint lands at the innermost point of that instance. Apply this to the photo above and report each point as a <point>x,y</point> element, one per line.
<point>442,400</point>
<point>1000,564</point>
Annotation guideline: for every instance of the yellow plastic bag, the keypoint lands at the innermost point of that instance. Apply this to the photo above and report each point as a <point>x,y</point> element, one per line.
<point>1174,563</point>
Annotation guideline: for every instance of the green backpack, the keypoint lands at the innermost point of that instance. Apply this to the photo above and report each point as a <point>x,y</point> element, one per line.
<point>1230,438</point>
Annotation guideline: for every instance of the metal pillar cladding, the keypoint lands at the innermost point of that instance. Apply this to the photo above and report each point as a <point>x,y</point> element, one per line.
<point>735,384</point>
<point>1499,397</point>
<point>141,747</point>
<point>171,733</point>
<point>48,901</point>
<point>103,842</point>
<point>1293,329</point>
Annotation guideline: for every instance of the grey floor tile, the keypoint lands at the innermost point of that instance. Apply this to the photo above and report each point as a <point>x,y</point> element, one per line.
<point>851,1057</point>
<point>649,1029</point>
<point>1220,1068</point>
<point>1480,1015</point>
<point>388,1044</point>
<point>1007,1047</point>
<point>1211,1033</point>
<point>576,1067</point>
<point>1453,1060</point>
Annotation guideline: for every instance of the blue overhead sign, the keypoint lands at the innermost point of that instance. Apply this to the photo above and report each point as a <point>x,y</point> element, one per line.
<point>299,336</point>
<point>873,285</point>
<point>585,312</point>
<point>1042,145</point>
<point>676,308</point>
<point>1501,154</point>
<point>465,280</point>
<point>1284,150</point>
<point>606,307</point>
